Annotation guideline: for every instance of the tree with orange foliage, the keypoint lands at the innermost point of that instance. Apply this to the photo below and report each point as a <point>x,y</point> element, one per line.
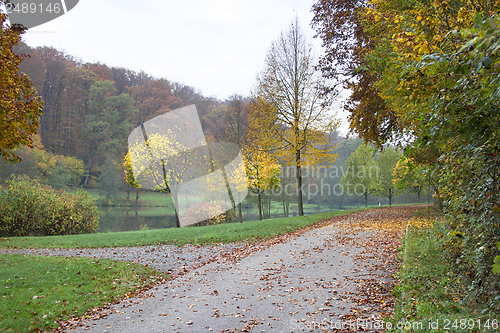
<point>20,105</point>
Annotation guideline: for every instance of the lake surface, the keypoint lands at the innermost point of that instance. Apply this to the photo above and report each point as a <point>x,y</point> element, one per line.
<point>127,219</point>
<point>116,219</point>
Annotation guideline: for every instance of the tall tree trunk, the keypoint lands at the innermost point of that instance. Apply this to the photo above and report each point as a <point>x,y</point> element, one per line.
<point>268,207</point>
<point>89,167</point>
<point>390,197</point>
<point>260,206</point>
<point>299,184</point>
<point>366,200</point>
<point>286,207</point>
<point>177,222</point>
<point>240,214</point>
<point>176,204</point>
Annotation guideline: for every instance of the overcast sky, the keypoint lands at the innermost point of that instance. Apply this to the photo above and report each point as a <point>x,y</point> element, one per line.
<point>216,46</point>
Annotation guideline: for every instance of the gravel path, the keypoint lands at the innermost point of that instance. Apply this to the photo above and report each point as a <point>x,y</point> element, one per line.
<point>166,258</point>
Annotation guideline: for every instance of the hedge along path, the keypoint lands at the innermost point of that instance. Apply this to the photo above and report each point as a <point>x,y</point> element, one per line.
<point>329,275</point>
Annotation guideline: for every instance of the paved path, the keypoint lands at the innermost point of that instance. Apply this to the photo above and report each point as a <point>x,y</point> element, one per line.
<point>322,280</point>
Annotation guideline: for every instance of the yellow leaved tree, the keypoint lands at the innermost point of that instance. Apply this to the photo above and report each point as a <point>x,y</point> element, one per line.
<point>20,104</point>
<point>288,116</point>
<point>262,172</point>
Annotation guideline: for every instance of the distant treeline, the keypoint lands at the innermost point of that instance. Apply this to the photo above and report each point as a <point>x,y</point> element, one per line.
<point>90,108</point>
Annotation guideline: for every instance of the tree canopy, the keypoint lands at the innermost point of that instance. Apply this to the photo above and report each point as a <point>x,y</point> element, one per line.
<point>289,116</point>
<point>362,173</point>
<point>20,105</point>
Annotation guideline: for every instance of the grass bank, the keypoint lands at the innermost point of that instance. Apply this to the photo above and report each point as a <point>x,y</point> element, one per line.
<point>430,291</point>
<point>39,291</point>
<point>222,233</point>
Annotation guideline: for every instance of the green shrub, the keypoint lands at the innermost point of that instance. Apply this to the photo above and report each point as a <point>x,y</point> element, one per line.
<point>28,208</point>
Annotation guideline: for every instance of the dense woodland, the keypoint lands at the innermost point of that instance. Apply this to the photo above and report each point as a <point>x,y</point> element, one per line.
<point>90,109</point>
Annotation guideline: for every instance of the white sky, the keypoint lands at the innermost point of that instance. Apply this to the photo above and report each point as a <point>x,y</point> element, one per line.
<point>216,46</point>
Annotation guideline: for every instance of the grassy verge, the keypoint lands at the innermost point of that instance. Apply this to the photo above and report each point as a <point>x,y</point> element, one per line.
<point>430,292</point>
<point>37,291</point>
<point>222,233</point>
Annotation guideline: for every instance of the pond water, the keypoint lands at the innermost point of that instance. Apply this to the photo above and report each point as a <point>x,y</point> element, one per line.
<point>116,219</point>
<point>127,219</point>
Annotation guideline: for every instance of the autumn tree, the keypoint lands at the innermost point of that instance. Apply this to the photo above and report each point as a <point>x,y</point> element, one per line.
<point>159,162</point>
<point>340,26</point>
<point>20,105</point>
<point>109,179</point>
<point>214,123</point>
<point>169,153</point>
<point>236,119</point>
<point>153,98</point>
<point>288,115</point>
<point>129,178</point>
<point>28,166</point>
<point>236,127</point>
<point>263,172</point>
<point>57,170</point>
<point>386,162</point>
<point>436,66</point>
<point>65,91</point>
<point>361,173</point>
<point>228,122</point>
<point>408,175</point>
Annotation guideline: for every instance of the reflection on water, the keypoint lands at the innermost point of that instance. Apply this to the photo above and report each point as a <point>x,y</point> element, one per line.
<point>132,218</point>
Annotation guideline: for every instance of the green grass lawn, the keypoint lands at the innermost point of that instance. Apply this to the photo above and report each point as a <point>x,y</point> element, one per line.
<point>37,291</point>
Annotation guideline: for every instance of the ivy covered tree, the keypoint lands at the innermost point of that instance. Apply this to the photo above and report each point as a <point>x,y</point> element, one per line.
<point>435,66</point>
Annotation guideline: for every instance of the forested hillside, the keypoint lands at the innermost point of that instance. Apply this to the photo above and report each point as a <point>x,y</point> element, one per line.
<point>90,108</point>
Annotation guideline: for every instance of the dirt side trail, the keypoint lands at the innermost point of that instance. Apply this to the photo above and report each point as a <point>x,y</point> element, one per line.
<point>335,276</point>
